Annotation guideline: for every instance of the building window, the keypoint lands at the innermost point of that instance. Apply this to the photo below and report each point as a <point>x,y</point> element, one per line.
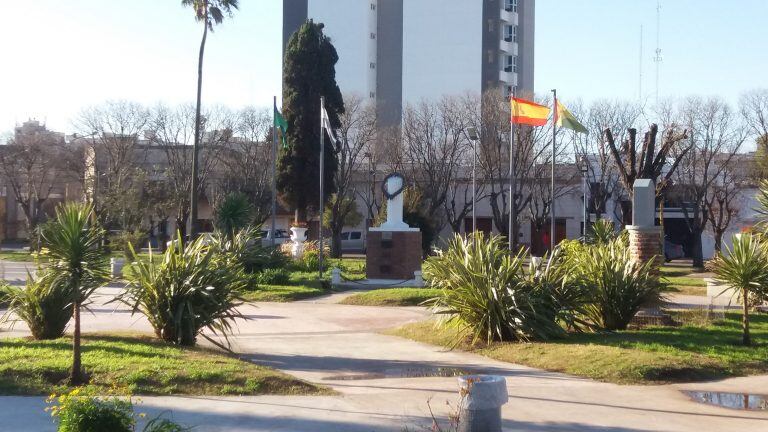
<point>514,64</point>
<point>373,65</point>
<point>372,95</point>
<point>373,35</point>
<point>509,63</point>
<point>514,34</point>
<point>373,6</point>
<point>509,91</point>
<point>510,33</point>
<point>510,5</point>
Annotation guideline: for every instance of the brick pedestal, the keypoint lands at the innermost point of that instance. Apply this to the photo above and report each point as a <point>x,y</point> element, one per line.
<point>645,244</point>
<point>392,254</point>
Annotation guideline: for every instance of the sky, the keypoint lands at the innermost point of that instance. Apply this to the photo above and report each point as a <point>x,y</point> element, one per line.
<point>61,56</point>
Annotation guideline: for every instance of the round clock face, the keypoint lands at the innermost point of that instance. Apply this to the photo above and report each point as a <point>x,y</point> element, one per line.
<point>390,194</point>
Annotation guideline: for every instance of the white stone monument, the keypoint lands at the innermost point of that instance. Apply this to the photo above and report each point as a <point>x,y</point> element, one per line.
<point>393,190</point>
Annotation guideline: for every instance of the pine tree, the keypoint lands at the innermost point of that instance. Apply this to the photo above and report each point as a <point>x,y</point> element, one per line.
<point>309,73</point>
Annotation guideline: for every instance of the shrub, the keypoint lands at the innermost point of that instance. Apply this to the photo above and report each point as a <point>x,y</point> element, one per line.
<point>245,248</point>
<point>276,276</point>
<point>484,291</point>
<point>45,306</point>
<point>128,241</point>
<point>88,414</point>
<point>745,268</point>
<point>602,231</point>
<point>234,213</point>
<point>190,288</point>
<point>617,288</point>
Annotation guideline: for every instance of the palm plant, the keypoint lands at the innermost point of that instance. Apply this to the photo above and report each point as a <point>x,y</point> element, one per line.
<point>617,287</point>
<point>234,213</point>
<point>191,288</point>
<point>77,264</point>
<point>209,12</point>
<point>45,308</point>
<point>744,267</point>
<point>485,293</point>
<point>602,232</point>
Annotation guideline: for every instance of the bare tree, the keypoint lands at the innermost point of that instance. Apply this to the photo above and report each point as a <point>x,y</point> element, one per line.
<point>724,201</point>
<point>716,135</point>
<point>434,143</point>
<point>246,160</point>
<point>356,135</point>
<point>601,173</point>
<point>754,108</point>
<point>172,130</point>
<point>115,129</point>
<point>30,165</point>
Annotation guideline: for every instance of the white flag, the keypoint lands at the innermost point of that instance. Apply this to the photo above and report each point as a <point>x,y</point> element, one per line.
<point>326,122</point>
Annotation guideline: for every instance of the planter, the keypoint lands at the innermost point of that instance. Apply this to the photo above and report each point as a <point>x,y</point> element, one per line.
<point>298,237</point>
<point>116,266</point>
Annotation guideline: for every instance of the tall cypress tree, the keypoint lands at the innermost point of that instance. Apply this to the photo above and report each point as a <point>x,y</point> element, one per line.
<point>309,72</point>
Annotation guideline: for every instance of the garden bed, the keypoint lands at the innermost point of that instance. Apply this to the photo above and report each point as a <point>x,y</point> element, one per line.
<point>138,365</point>
<point>303,284</point>
<point>653,355</point>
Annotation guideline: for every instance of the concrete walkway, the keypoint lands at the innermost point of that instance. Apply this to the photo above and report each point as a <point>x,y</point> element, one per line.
<point>380,387</point>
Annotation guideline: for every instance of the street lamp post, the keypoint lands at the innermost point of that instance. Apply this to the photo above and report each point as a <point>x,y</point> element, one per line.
<point>474,137</point>
<point>584,168</point>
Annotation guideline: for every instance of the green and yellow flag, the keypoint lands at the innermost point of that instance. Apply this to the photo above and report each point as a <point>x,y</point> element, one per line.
<point>565,119</point>
<point>282,125</point>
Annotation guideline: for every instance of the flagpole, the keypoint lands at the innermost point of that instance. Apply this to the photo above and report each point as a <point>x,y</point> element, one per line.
<point>552,220</point>
<point>322,177</point>
<point>274,169</point>
<point>512,207</point>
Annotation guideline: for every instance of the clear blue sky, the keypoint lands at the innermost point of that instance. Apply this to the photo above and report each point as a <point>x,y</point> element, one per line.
<point>59,56</point>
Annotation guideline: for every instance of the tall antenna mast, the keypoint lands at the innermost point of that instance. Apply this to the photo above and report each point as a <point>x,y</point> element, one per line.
<point>640,67</point>
<point>657,59</point>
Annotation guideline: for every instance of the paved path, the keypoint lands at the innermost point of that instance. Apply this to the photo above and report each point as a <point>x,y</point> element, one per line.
<point>377,377</point>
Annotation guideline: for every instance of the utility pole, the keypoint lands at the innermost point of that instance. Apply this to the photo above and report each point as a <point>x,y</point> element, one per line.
<point>657,58</point>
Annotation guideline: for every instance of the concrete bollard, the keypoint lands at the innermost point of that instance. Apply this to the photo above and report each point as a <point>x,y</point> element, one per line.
<point>482,397</point>
<point>417,276</point>
<point>116,266</point>
<point>335,276</point>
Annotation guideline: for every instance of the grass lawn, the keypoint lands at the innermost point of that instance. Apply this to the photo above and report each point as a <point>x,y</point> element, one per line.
<point>17,255</point>
<point>137,365</point>
<point>679,281</point>
<point>304,284</point>
<point>392,297</point>
<point>652,355</point>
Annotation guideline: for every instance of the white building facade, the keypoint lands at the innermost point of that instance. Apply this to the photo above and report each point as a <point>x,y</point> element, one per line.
<point>400,52</point>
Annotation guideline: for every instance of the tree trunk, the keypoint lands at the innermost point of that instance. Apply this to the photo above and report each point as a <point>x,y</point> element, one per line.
<point>697,254</point>
<point>335,243</point>
<point>196,146</point>
<point>76,375</point>
<point>718,241</point>
<point>745,339</point>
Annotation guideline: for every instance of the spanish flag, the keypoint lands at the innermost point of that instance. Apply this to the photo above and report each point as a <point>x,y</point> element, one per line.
<point>528,113</point>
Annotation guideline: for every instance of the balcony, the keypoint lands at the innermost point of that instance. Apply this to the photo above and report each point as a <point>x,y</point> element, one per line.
<point>507,46</point>
<point>508,17</point>
<point>508,77</point>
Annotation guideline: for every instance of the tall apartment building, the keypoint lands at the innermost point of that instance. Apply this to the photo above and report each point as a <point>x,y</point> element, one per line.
<point>397,52</point>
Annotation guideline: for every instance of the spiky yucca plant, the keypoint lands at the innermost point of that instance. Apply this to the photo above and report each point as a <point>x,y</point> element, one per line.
<point>77,264</point>
<point>44,307</point>
<point>189,288</point>
<point>234,213</point>
<point>485,293</point>
<point>602,231</point>
<point>744,266</point>
<point>616,287</point>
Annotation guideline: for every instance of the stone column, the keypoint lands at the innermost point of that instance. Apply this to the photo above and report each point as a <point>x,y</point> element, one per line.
<point>644,235</point>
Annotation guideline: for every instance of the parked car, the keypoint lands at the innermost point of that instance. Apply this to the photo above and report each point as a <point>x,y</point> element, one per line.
<point>672,250</point>
<point>281,236</point>
<point>352,241</point>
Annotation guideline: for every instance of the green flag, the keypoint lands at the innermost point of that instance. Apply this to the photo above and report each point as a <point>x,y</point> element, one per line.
<point>567,120</point>
<point>281,124</point>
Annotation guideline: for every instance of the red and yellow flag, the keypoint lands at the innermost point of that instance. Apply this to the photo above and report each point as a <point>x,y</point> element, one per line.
<point>528,113</point>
